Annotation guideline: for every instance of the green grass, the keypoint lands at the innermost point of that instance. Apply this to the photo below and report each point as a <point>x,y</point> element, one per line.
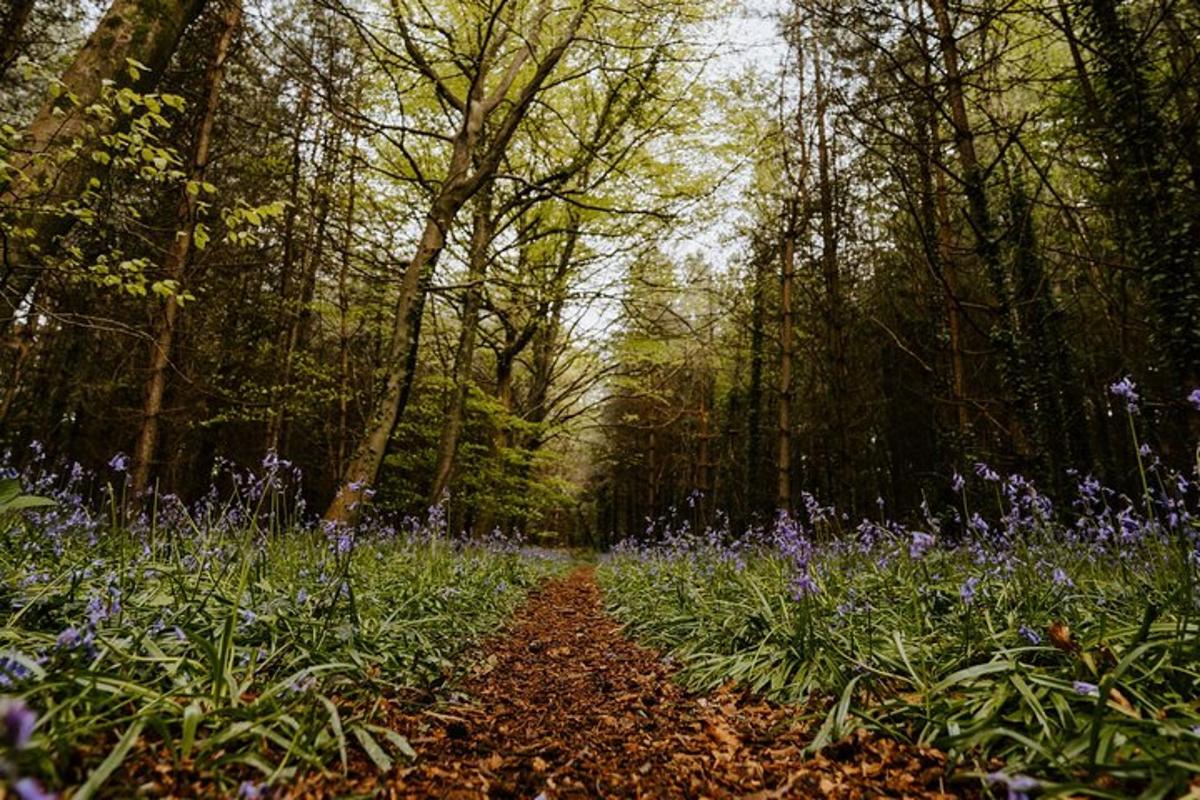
<point>253,655</point>
<point>888,642</point>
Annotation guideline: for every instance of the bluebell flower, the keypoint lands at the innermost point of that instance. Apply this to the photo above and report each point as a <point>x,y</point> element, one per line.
<point>803,586</point>
<point>986,472</point>
<point>920,544</point>
<point>12,671</point>
<point>17,721</point>
<point>1061,578</point>
<point>68,638</point>
<point>249,790</point>
<point>957,483</point>
<point>967,591</point>
<point>1087,689</point>
<point>1125,389</point>
<point>119,463</point>
<point>1029,634</point>
<point>1194,399</point>
<point>1018,787</point>
<point>30,789</point>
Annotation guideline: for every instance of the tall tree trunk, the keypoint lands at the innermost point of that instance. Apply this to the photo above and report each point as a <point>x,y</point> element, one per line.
<point>832,278</point>
<point>460,185</point>
<point>49,169</point>
<point>546,337</point>
<point>178,252</point>
<point>944,249</point>
<point>757,499</point>
<point>464,356</point>
<point>783,492</point>
<point>1007,332</point>
<point>343,292</point>
<point>286,270</point>
<point>938,232</point>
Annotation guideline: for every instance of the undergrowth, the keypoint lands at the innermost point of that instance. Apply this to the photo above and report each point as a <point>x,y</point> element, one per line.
<point>1046,650</point>
<point>226,636</point>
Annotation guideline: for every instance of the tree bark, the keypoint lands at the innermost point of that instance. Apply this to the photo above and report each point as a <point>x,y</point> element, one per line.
<point>178,253</point>
<point>275,421</point>
<point>460,185</point>
<point>783,493</point>
<point>832,279</point>
<point>481,241</point>
<point>48,172</point>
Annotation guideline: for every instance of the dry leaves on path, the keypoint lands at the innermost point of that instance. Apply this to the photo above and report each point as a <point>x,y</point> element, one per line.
<point>564,706</point>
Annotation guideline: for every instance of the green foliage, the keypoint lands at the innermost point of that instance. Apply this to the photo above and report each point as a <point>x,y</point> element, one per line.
<point>12,500</point>
<point>245,653</point>
<point>892,645</point>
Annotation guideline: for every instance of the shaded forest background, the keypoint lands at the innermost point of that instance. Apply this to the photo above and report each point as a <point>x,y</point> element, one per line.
<point>570,266</point>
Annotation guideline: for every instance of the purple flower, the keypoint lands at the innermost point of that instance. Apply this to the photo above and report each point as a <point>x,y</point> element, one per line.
<point>1061,578</point>
<point>803,586</point>
<point>249,790</point>
<point>30,789</point>
<point>957,483</point>
<point>1017,786</point>
<point>920,544</point>
<point>967,590</point>
<point>1087,689</point>
<point>1029,634</point>
<point>1126,390</point>
<point>17,720</point>
<point>1194,399</point>
<point>119,463</point>
<point>68,638</point>
<point>986,472</point>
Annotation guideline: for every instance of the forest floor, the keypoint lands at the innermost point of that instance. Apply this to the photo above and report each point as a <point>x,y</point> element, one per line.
<point>562,704</point>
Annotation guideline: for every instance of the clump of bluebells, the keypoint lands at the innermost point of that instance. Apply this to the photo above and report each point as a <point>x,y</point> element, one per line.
<point>1061,639</point>
<point>234,631</point>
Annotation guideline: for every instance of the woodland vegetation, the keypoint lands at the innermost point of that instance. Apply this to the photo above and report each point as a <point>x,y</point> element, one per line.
<point>315,311</point>
<point>573,265</point>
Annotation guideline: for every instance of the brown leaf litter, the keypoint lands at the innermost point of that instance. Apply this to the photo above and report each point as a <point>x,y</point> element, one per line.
<point>565,706</point>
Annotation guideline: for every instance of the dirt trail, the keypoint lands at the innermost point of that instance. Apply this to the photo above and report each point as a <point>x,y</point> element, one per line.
<point>565,706</point>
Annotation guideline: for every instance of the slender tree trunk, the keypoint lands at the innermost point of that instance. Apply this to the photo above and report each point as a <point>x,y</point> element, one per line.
<point>175,266</point>
<point>964,143</point>
<point>783,493</point>
<point>363,466</point>
<point>546,339</point>
<point>49,167</point>
<point>464,356</point>
<point>831,274</point>
<point>756,498</point>
<point>344,326</point>
<point>286,269</point>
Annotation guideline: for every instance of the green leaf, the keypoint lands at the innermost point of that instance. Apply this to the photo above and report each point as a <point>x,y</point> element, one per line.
<point>110,763</point>
<point>382,761</point>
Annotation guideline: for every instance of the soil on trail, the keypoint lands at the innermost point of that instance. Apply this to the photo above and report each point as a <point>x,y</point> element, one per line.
<point>564,705</point>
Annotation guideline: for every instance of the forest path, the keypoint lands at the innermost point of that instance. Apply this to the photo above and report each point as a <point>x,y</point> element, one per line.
<point>564,705</point>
